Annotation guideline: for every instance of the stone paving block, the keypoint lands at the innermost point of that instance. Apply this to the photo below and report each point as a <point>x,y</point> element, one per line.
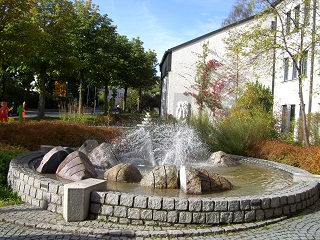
<point>146,214</point>
<point>172,216</point>
<point>244,204</point>
<point>181,204</point>
<point>185,217</point>
<point>167,203</point>
<point>265,203</point>
<point>255,204</point>
<point>198,218</point>
<point>160,216</point>
<point>207,205</point>
<point>221,206</point>
<point>226,217</point>
<point>53,188</point>
<point>155,203</point>
<point>140,202</point>
<point>195,205</point>
<point>134,213</point>
<point>249,216</point>
<point>259,215</point>
<point>112,198</point>
<point>120,211</point>
<point>277,212</point>
<point>212,218</point>
<point>238,216</point>
<point>268,213</point>
<point>126,200</point>
<point>234,205</point>
<point>275,202</point>
<point>107,210</point>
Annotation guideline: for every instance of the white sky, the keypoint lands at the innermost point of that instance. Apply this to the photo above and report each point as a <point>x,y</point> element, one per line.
<point>163,24</point>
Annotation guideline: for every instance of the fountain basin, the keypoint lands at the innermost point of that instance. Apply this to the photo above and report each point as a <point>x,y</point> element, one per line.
<point>136,208</point>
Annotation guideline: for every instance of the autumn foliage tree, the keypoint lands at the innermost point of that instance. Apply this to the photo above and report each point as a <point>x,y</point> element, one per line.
<point>210,86</point>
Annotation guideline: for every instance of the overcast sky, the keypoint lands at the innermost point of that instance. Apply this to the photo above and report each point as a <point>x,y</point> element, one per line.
<point>163,24</point>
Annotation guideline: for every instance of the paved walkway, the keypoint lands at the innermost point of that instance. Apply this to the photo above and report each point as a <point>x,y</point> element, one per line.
<point>28,222</point>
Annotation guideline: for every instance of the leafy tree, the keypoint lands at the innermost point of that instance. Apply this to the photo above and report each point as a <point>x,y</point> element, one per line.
<point>14,39</point>
<point>50,48</point>
<point>288,35</point>
<point>242,9</point>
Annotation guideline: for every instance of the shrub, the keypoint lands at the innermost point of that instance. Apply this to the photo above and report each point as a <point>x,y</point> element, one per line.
<point>32,135</point>
<point>236,132</point>
<point>204,126</point>
<point>5,158</point>
<point>294,155</point>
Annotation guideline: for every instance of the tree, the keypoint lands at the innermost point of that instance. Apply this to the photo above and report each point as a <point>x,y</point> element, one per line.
<point>240,10</point>
<point>14,37</point>
<point>50,48</point>
<point>287,34</point>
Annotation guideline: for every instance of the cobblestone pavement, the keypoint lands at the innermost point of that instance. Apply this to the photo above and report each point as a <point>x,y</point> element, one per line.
<point>28,222</point>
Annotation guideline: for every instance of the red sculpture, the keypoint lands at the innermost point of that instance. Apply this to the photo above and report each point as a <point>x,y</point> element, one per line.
<point>4,112</point>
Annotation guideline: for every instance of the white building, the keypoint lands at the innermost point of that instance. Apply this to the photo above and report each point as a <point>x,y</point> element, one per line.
<point>276,70</point>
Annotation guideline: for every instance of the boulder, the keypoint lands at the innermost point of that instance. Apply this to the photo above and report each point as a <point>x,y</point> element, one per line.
<point>52,160</point>
<point>162,177</point>
<point>222,159</point>
<point>75,167</point>
<point>198,181</point>
<point>190,181</point>
<point>211,182</point>
<point>88,146</point>
<point>123,172</point>
<point>103,157</point>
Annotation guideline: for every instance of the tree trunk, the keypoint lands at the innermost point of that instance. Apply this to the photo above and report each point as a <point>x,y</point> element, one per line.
<point>303,115</point>
<point>125,99</point>
<point>139,101</point>
<point>106,93</point>
<point>314,14</point>
<point>42,91</point>
<point>80,107</point>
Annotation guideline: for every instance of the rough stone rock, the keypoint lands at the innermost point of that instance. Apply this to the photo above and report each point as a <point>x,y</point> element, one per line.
<point>123,172</point>
<point>75,167</point>
<point>103,157</point>
<point>222,159</point>
<point>162,177</point>
<point>190,181</point>
<point>198,181</point>
<point>52,160</point>
<point>213,181</point>
<point>88,146</point>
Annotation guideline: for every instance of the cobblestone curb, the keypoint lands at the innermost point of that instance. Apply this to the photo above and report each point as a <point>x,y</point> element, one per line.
<point>38,218</point>
<point>124,208</point>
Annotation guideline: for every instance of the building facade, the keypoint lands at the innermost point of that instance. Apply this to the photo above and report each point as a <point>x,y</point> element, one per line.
<point>294,57</point>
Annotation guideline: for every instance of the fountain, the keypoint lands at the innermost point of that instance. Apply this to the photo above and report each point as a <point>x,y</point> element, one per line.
<point>262,189</point>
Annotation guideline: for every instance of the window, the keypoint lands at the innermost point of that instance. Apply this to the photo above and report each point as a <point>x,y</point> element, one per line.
<point>286,69</point>
<point>284,118</point>
<point>294,70</point>
<point>292,112</point>
<point>304,62</point>
<point>288,20</point>
<point>296,16</point>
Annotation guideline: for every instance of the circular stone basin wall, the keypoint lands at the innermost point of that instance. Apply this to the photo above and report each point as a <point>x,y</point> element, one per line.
<point>131,208</point>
